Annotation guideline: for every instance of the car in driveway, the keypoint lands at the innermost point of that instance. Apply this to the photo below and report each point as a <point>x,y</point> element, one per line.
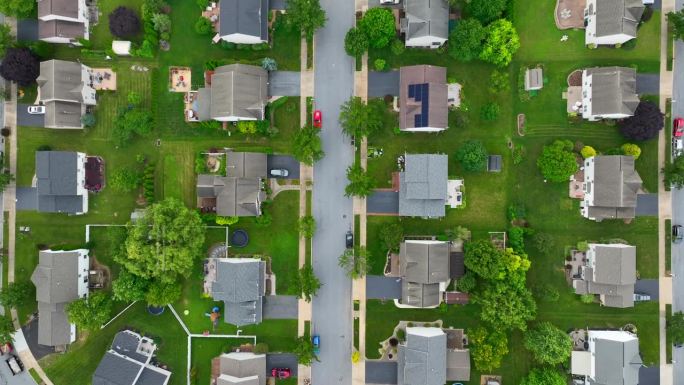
<point>317,119</point>
<point>349,239</point>
<point>281,373</point>
<point>279,172</point>
<point>36,110</point>
<point>316,341</point>
<point>677,233</point>
<point>678,127</point>
<point>389,2</point>
<point>639,297</point>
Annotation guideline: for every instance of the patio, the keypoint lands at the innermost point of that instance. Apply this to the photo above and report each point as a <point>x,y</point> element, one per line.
<point>212,12</point>
<point>576,190</point>
<point>180,79</point>
<point>573,265</point>
<point>573,97</point>
<point>103,79</point>
<point>455,193</point>
<point>190,103</point>
<point>570,14</point>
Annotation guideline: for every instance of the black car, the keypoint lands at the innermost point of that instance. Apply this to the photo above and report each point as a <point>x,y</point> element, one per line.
<point>349,239</point>
<point>677,233</point>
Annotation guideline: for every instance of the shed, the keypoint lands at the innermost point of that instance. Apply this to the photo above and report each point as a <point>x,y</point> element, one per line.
<point>121,47</point>
<point>534,79</point>
<point>494,163</point>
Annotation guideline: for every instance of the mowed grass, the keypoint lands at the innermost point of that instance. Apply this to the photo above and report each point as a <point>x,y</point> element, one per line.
<point>172,182</point>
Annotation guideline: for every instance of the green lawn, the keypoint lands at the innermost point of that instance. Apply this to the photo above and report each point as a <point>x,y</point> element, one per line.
<point>172,183</point>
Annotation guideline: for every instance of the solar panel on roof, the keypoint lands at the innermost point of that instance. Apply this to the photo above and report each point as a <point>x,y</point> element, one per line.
<point>417,120</point>
<point>419,92</point>
<point>412,90</point>
<point>425,107</point>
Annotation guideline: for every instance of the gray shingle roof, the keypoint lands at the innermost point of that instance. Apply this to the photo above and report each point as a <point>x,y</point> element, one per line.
<point>617,362</point>
<point>618,17</point>
<point>241,366</point>
<point>57,182</point>
<point>234,196</point>
<point>240,285</point>
<point>613,276</point>
<point>420,294</point>
<point>613,90</point>
<point>426,18</point>
<point>458,365</point>
<point>60,28</point>
<point>116,370</point>
<point>616,184</point>
<point>422,359</point>
<point>423,262</point>
<point>239,90</point>
<point>245,17</point>
<point>59,114</point>
<point>423,185</point>
<point>246,164</point>
<point>123,365</point>
<point>61,89</point>
<point>64,8</point>
<point>438,109</point>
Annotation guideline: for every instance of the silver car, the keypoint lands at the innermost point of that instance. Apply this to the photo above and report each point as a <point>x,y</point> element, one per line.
<point>279,172</point>
<point>36,110</point>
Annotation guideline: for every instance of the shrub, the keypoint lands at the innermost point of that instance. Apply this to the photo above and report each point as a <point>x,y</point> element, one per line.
<point>631,149</point>
<point>203,26</point>
<point>466,283</point>
<point>379,64</point>
<point>124,22</point>
<point>588,152</point>
<point>518,154</point>
<point>587,298</point>
<point>490,111</point>
<point>226,221</point>
<point>472,155</point>
<point>499,82</point>
<point>397,47</point>
<point>247,127</point>
<point>269,64</point>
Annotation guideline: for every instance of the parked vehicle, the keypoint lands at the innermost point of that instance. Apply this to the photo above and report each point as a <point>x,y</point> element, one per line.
<point>678,127</point>
<point>317,119</point>
<point>677,146</point>
<point>389,2</point>
<point>36,110</point>
<point>15,365</point>
<point>316,341</point>
<point>279,172</point>
<point>638,297</point>
<point>280,373</point>
<point>349,239</point>
<point>677,233</point>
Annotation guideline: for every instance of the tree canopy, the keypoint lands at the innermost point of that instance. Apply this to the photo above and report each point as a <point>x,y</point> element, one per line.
<point>557,161</point>
<point>90,313</point>
<point>355,262</point>
<point>304,350</point>
<point>307,226</point>
<point>164,243</point>
<point>6,38</point>
<point>473,155</point>
<point>17,8</point>
<point>676,20</point>
<point>359,119</point>
<point>378,25</point>
<point>486,11</point>
<point>544,376</point>
<point>500,44</point>
<point>483,259</point>
<point>506,306</point>
<point>305,15</point>
<point>675,328</point>
<point>203,26</point>
<point>20,65</point>
<point>645,124</point>
<point>465,40</point>
<point>548,344</point>
<point>487,348</point>
<point>391,236</point>
<point>124,22</point>
<point>132,121</point>
<point>162,292</point>
<point>355,42</point>
<point>306,283</point>
<point>361,184</point>
<point>674,172</point>
<point>6,329</point>
<point>307,146</point>
<point>124,179</point>
<point>128,287</point>
<point>15,294</point>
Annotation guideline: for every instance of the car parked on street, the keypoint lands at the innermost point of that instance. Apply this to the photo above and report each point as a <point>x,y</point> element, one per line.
<point>15,365</point>
<point>281,373</point>
<point>349,239</point>
<point>316,341</point>
<point>677,147</point>
<point>36,110</point>
<point>677,233</point>
<point>317,119</point>
<point>279,172</point>
<point>389,2</point>
<point>678,128</point>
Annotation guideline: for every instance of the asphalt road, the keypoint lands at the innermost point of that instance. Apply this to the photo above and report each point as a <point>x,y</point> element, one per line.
<point>332,309</point>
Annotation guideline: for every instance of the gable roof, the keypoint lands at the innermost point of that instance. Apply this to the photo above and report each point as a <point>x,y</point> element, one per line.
<point>612,275</point>
<point>242,368</point>
<point>423,97</point>
<point>60,28</point>
<point>124,364</point>
<point>617,361</point>
<point>238,90</point>
<point>424,261</point>
<point>246,164</point>
<point>234,196</point>
<point>239,284</point>
<point>458,365</point>
<point>615,187</point>
<point>426,18</point>
<point>613,90</point>
<point>420,294</point>
<point>57,182</point>
<point>422,359</point>
<point>615,17</point>
<point>64,8</point>
<point>423,185</point>
<point>61,80</point>
<point>245,17</point>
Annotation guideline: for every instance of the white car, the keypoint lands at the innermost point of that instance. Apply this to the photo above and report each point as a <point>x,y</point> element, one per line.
<point>279,172</point>
<point>677,146</point>
<point>389,2</point>
<point>36,110</point>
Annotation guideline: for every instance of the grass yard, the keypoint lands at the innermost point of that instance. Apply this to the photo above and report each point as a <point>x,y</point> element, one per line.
<point>172,182</point>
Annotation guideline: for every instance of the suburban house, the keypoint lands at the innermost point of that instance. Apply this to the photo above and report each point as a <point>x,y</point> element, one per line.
<point>239,193</point>
<point>432,356</point>
<point>61,182</point>
<point>243,21</point>
<point>240,368</point>
<point>611,186</point>
<point>424,266</point>
<point>232,93</point>
<point>129,362</point>
<point>609,93</point>
<point>608,270</point>
<point>65,89</point>
<point>423,185</point>
<point>426,23</point>
<point>611,22</point>
<point>63,21</point>
<point>423,98</point>
<point>607,357</point>
<point>61,277</point>
<point>241,284</point>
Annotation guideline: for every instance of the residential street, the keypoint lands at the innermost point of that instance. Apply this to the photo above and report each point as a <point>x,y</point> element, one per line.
<point>332,309</point>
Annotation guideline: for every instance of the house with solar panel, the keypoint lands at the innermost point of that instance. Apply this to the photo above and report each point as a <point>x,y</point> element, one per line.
<point>609,93</point>
<point>423,99</point>
<point>611,22</point>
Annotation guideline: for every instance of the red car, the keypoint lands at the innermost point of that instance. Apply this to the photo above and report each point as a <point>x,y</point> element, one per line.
<point>678,127</point>
<point>317,119</point>
<point>280,373</point>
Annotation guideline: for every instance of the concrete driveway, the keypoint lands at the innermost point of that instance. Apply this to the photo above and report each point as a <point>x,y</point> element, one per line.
<point>27,30</point>
<point>648,84</point>
<point>280,307</point>
<point>383,83</point>
<point>286,162</point>
<point>29,120</point>
<point>381,287</point>
<point>281,360</point>
<point>383,203</point>
<point>381,372</point>
<point>647,286</point>
<point>647,205</point>
<point>284,83</point>
<point>31,335</point>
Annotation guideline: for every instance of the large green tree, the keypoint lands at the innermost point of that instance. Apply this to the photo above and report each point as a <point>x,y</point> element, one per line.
<point>557,161</point>
<point>360,184</point>
<point>162,293</point>
<point>130,122</point>
<point>359,119</point>
<point>165,243</point>
<point>378,25</point>
<point>675,328</point>
<point>484,259</point>
<point>506,305</point>
<point>307,146</point>
<point>355,42</point>
<point>473,155</point>
<point>305,15</point>
<point>544,376</point>
<point>465,40</point>
<point>129,287</point>
<point>15,294</point>
<point>306,283</point>
<point>355,262</point>
<point>17,8</point>
<point>487,348</point>
<point>90,313</point>
<point>676,20</point>
<point>486,11</point>
<point>304,350</point>
<point>6,38</point>
<point>500,44</point>
<point>6,329</point>
<point>548,344</point>
<point>674,172</point>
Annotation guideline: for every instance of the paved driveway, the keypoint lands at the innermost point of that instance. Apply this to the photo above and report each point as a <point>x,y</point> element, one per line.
<point>383,83</point>
<point>27,30</point>
<point>650,375</point>
<point>277,4</point>
<point>381,287</point>
<point>280,307</point>
<point>287,162</point>
<point>648,84</point>
<point>381,372</point>
<point>647,205</point>
<point>647,286</point>
<point>281,360</point>
<point>29,120</point>
<point>284,83</point>
<point>31,335</point>
<point>383,202</point>
<point>7,378</point>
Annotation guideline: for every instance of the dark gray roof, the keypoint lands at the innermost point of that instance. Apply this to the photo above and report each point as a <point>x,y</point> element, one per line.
<point>245,17</point>
<point>240,285</point>
<point>612,277</point>
<point>246,164</point>
<point>243,365</point>
<point>234,196</point>
<point>615,187</point>
<point>60,28</point>
<point>64,8</point>
<point>239,90</point>
<point>613,90</point>
<point>420,294</point>
<point>618,17</point>
<point>123,365</point>
<point>426,18</point>
<point>149,376</point>
<point>494,163</point>
<point>424,261</point>
<point>456,264</point>
<point>57,182</point>
<point>423,185</point>
<point>116,370</point>
<point>126,344</point>
<point>617,362</point>
<point>422,359</point>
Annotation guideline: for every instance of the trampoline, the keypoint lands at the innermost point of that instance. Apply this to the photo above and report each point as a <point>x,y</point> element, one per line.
<point>155,310</point>
<point>239,238</point>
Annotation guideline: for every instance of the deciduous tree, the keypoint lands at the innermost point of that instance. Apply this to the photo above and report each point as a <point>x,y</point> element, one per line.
<point>203,26</point>
<point>162,292</point>
<point>130,122</point>
<point>6,329</point>
<point>20,65</point>
<point>676,20</point>
<point>355,262</point>
<point>473,155</point>
<point>501,43</point>
<point>124,180</point>
<point>378,25</point>
<point>645,124</point>
<point>675,328</point>
<point>17,8</point>
<point>90,313</point>
<point>674,172</point>
<point>128,287</point>
<point>307,146</point>
<point>465,40</point>
<point>305,15</point>
<point>360,184</point>
<point>548,344</point>
<point>124,22</point>
<point>486,11</point>
<point>355,42</point>
<point>304,350</point>
<point>306,283</point>
<point>487,348</point>
<point>6,38</point>
<point>391,236</point>
<point>557,161</point>
<point>359,119</point>
<point>484,259</point>
<point>15,294</point>
<point>506,305</point>
<point>307,226</point>
<point>544,376</point>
